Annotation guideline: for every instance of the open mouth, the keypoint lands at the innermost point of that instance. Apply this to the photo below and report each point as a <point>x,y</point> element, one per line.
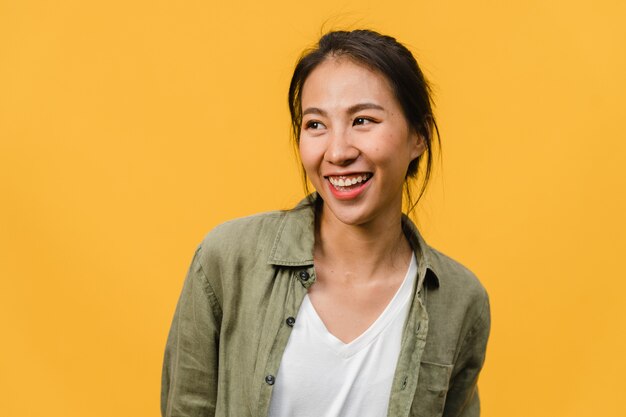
<point>349,182</point>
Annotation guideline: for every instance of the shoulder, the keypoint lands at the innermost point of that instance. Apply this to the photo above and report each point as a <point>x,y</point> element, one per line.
<point>455,277</point>
<point>244,235</point>
<point>234,252</point>
<point>232,229</point>
<point>450,279</point>
<point>279,237</point>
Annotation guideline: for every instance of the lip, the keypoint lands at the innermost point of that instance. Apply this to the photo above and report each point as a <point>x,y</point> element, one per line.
<point>345,173</point>
<point>351,194</point>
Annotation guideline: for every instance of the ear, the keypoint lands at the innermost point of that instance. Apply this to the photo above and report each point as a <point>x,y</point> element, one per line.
<point>418,145</point>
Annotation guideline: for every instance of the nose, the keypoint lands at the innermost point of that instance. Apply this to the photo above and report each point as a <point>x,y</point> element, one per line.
<point>341,151</point>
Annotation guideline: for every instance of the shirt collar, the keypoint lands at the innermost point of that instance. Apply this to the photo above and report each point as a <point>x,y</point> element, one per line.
<point>294,241</point>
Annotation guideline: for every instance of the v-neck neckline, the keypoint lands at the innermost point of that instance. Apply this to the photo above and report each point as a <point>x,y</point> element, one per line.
<point>393,308</point>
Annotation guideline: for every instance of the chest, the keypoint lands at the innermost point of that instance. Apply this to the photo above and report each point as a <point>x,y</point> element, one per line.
<point>258,323</point>
<point>343,379</point>
<point>349,306</point>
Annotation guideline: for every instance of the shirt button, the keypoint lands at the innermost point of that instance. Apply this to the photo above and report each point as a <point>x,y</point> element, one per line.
<point>304,275</point>
<point>290,321</point>
<point>270,379</point>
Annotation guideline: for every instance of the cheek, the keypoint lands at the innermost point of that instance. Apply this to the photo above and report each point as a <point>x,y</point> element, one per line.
<point>308,156</point>
<point>392,160</point>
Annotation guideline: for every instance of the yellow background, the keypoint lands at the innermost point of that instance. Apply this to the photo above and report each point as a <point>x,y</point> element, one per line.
<point>128,129</point>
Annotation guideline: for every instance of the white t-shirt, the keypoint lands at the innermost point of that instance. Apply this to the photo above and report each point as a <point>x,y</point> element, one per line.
<point>320,376</point>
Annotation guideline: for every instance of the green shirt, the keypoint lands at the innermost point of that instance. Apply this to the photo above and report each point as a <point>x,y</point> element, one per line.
<point>243,292</point>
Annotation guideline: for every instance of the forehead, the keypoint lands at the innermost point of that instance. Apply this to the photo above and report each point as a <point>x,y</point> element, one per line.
<point>341,79</point>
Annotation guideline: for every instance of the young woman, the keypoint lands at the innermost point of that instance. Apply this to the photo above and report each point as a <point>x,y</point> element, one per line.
<point>337,307</point>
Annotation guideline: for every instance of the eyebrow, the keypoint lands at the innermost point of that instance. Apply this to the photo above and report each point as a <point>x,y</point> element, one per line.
<point>351,110</point>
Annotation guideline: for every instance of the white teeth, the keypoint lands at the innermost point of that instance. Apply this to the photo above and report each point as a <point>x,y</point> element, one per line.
<point>346,182</point>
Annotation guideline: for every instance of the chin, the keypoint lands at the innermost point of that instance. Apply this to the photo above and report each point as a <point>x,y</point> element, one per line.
<point>350,216</point>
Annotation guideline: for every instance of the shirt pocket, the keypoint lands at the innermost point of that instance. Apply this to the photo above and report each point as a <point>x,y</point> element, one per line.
<point>431,391</point>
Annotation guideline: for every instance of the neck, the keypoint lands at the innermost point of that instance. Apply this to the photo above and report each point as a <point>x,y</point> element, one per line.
<point>363,249</point>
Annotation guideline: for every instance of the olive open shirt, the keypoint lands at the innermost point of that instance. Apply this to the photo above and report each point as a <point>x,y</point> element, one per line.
<point>241,298</point>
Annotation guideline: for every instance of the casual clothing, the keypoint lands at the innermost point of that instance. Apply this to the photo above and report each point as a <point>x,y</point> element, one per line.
<point>357,376</point>
<point>242,294</point>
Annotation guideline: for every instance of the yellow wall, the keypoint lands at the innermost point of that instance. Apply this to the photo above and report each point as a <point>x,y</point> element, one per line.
<point>129,129</point>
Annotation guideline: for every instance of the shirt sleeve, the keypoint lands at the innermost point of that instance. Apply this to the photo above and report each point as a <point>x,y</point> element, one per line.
<point>190,371</point>
<point>462,398</point>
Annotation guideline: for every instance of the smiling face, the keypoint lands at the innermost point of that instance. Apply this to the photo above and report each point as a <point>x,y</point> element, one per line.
<point>355,143</point>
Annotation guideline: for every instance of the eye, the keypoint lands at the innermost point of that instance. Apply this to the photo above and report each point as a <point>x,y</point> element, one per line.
<point>361,121</point>
<point>314,125</point>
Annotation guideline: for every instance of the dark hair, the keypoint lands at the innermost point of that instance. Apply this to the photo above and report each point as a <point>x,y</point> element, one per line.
<point>392,59</point>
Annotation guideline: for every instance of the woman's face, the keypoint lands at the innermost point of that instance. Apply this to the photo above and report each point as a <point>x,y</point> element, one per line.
<point>355,143</point>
